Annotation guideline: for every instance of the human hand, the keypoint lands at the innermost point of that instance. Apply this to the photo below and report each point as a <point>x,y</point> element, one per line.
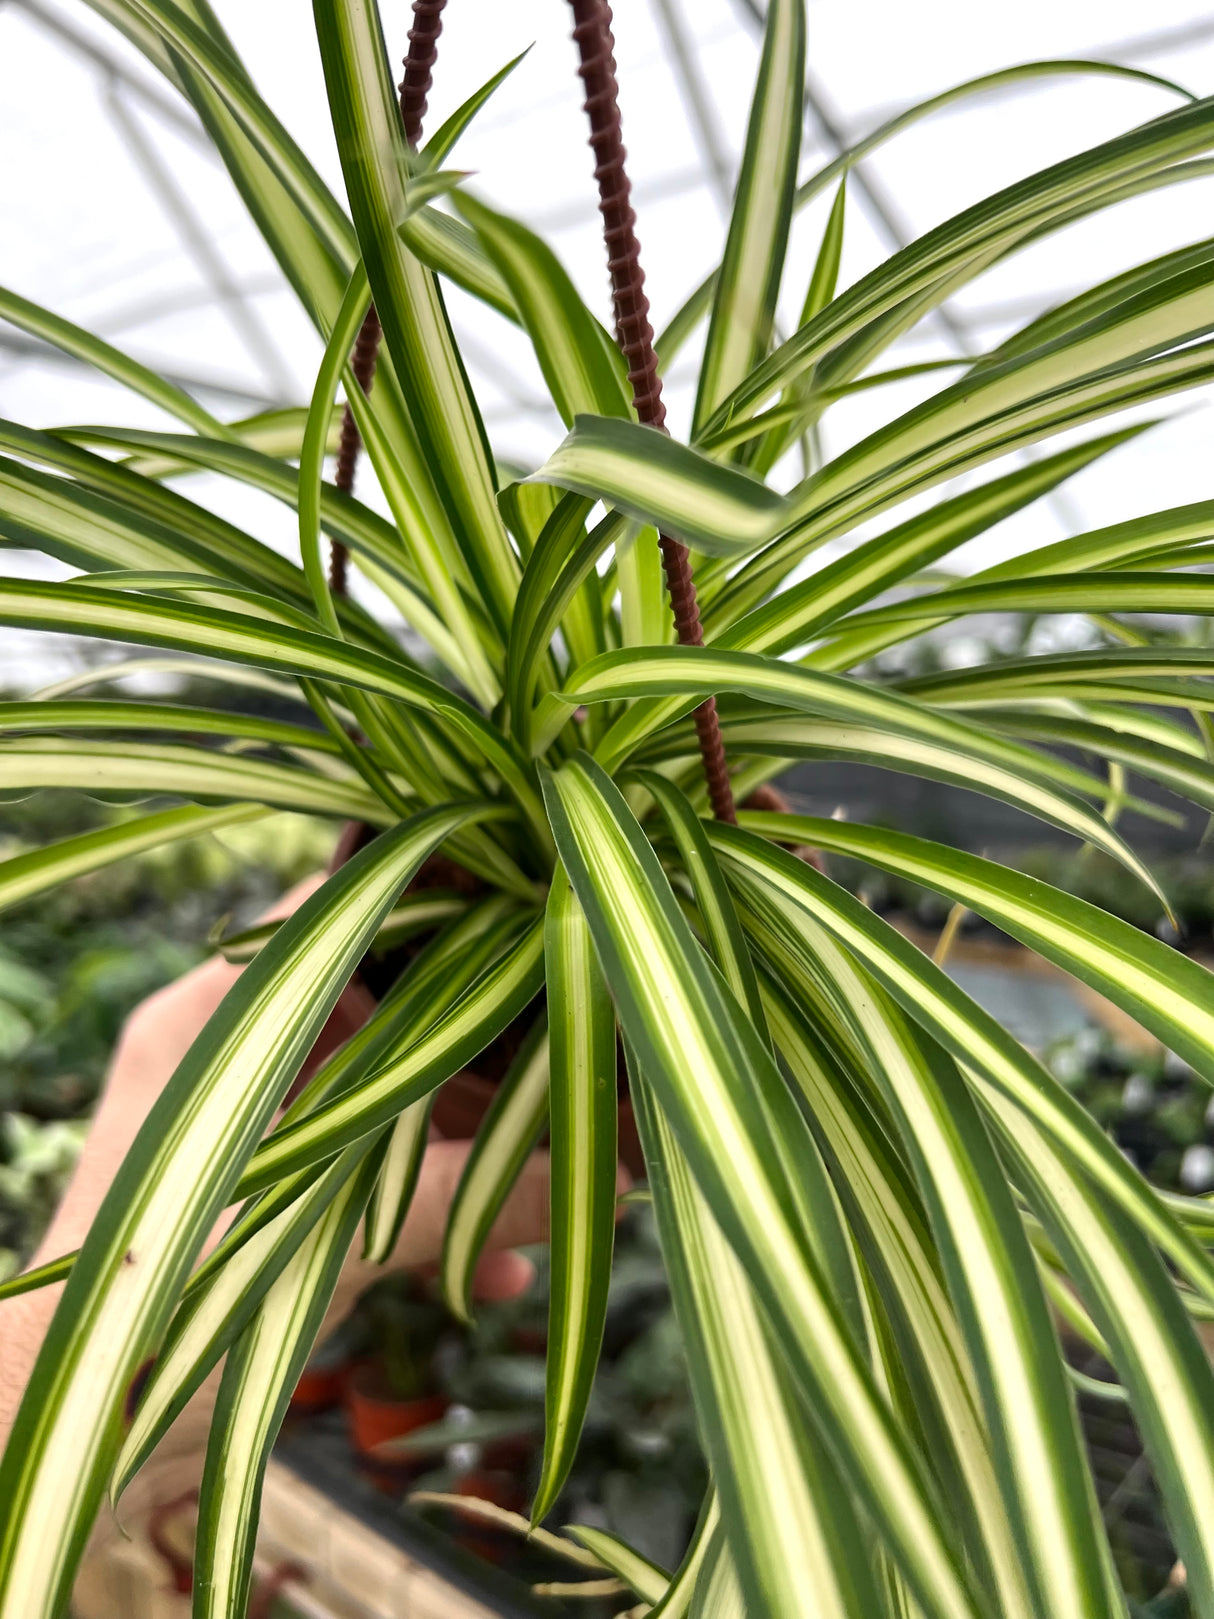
<point>154,1040</point>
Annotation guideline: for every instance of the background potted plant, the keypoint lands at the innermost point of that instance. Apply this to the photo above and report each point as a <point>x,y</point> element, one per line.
<point>861,1180</point>
<point>397,1386</point>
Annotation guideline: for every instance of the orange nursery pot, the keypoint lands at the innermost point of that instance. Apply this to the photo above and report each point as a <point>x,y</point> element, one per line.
<point>375,1413</point>
<point>319,1387</point>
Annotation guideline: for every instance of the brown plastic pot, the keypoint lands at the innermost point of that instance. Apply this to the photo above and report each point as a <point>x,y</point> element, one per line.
<point>319,1387</point>
<point>376,1414</point>
<point>502,1488</point>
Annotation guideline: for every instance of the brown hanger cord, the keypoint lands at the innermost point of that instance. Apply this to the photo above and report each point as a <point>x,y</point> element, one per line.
<point>414,88</point>
<point>596,47</point>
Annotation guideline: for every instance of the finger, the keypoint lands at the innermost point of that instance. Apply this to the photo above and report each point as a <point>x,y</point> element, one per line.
<point>523,1219</point>
<point>525,1215</point>
<point>162,1028</point>
<point>287,904</point>
<point>501,1275</point>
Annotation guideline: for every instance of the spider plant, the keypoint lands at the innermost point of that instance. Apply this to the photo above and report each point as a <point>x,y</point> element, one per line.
<point>875,1205</point>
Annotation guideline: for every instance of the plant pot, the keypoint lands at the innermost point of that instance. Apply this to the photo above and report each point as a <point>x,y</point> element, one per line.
<point>492,1484</point>
<point>510,1457</point>
<point>319,1387</point>
<point>375,1413</point>
<point>502,1489</point>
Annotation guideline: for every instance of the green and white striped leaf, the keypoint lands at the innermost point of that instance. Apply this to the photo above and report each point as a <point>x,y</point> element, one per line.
<point>784,889</point>
<point>297,216</point>
<point>797,405</point>
<point>100,529</point>
<point>852,489</point>
<point>799,1546</point>
<point>1167,992</point>
<point>409,553</point>
<point>993,1281</point>
<point>1141,542</point>
<point>212,1315</point>
<point>436,979</point>
<point>1166,675</point>
<point>676,1599</point>
<point>712,896</point>
<point>781,736</point>
<point>1129,544</point>
<point>585,374</point>
<point>809,607</point>
<point>718,1591</point>
<point>397,1181</point>
<point>312,450</point>
<point>647,1580</point>
<point>134,520</point>
<point>563,560</point>
<point>1123,591</point>
<point>401,467</point>
<point>449,131</point>
<point>128,714</point>
<point>582,367</point>
<point>1140,1317</point>
<point>923,1356</point>
<point>709,1069</point>
<point>818,1209</point>
<point>582,1114</point>
<point>28,1281</point>
<point>164,1199</point>
<point>654,479</point>
<point>1023,73</point>
<point>207,588</point>
<point>448,247</point>
<point>1174,311</point>
<point>150,769</point>
<point>414,914</point>
<point>957,249</point>
<point>371,144</point>
<point>890,1227</point>
<point>262,1370</point>
<point>183,627</point>
<point>1184,770</point>
<point>494,1001</point>
<point>748,281</point>
<point>104,357</point>
<point>1016,775</point>
<point>1075,314</point>
<point>510,1129</point>
<point>24,875</point>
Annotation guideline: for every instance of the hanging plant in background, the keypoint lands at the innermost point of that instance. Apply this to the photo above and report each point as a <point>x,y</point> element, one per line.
<point>866,1189</point>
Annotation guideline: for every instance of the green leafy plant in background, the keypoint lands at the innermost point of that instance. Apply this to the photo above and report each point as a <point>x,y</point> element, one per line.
<point>866,1190</point>
<point>38,1160</point>
<point>75,961</point>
